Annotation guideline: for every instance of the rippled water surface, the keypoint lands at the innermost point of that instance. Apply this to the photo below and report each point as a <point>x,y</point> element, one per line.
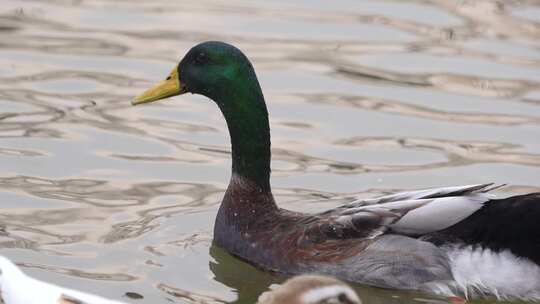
<point>365,97</point>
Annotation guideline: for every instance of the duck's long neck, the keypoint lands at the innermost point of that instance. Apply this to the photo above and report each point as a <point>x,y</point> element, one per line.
<point>247,119</point>
<point>248,201</point>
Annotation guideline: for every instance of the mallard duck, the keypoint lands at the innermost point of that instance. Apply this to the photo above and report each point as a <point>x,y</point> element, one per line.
<point>453,241</point>
<point>311,289</point>
<point>18,288</point>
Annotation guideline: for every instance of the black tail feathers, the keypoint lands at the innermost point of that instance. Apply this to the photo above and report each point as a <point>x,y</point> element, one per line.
<point>511,223</point>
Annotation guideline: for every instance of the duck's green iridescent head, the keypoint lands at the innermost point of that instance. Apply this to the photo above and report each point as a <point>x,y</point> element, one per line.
<point>213,69</point>
<point>224,74</point>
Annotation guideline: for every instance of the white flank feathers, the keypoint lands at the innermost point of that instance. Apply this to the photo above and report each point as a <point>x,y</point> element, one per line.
<point>317,295</point>
<point>18,288</point>
<point>483,273</point>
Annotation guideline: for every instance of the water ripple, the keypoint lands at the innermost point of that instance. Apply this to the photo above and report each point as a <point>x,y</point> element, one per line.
<point>365,99</point>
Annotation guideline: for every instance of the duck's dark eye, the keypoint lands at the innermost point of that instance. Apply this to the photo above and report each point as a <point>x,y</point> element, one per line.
<point>344,299</point>
<point>201,58</point>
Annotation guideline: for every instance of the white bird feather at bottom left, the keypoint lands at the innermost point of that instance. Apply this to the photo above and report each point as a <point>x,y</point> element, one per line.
<point>18,288</point>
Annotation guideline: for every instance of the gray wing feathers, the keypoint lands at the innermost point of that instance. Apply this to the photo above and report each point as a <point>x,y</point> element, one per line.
<point>426,193</point>
<point>414,212</point>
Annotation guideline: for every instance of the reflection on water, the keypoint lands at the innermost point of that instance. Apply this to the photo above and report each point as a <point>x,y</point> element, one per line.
<point>366,98</point>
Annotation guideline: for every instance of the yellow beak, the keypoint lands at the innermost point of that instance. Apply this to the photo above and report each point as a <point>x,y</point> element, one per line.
<point>166,88</point>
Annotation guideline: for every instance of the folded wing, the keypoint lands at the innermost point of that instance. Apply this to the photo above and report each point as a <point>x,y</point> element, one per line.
<point>410,213</point>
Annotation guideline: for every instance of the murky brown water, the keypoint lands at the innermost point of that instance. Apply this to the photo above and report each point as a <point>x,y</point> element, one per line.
<point>365,97</point>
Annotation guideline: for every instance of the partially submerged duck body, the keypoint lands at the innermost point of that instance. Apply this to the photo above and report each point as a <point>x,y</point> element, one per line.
<point>398,241</point>
<point>422,240</point>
